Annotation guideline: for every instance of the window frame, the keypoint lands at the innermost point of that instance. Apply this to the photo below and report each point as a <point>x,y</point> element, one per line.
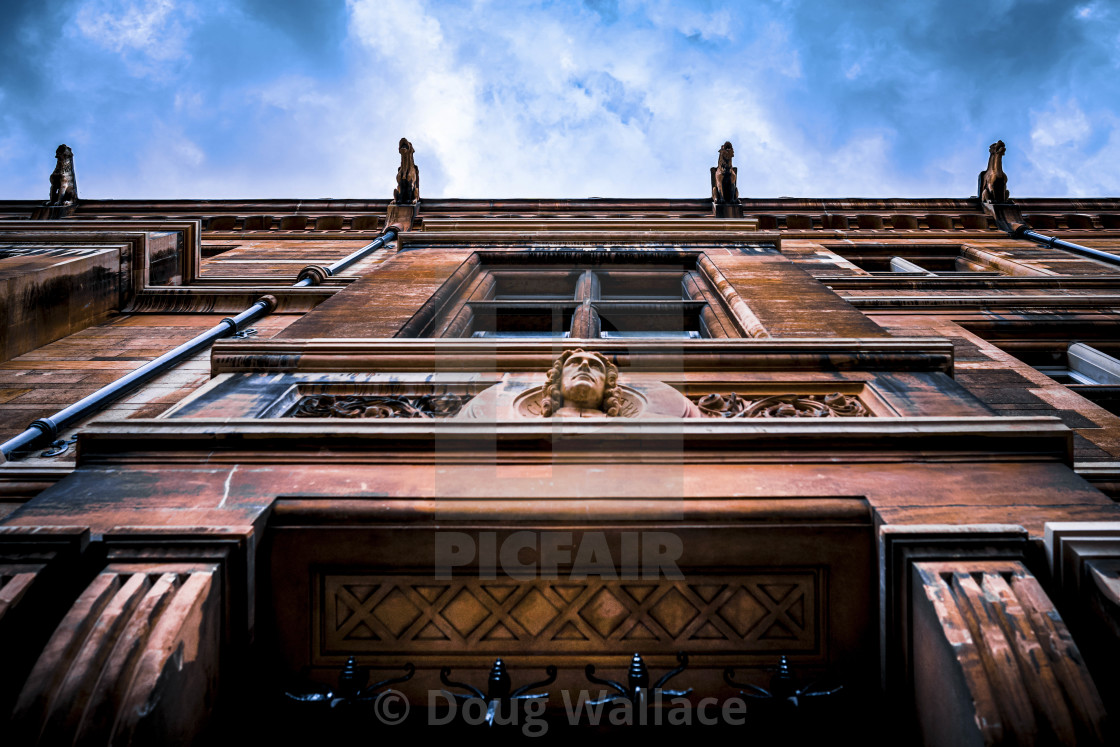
<point>502,282</point>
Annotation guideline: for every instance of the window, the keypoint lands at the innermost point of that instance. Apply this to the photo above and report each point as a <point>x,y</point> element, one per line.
<point>1083,355</point>
<point>922,260</point>
<point>1085,365</point>
<point>616,294</point>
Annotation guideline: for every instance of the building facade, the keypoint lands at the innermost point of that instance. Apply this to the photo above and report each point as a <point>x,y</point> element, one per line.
<point>846,463</point>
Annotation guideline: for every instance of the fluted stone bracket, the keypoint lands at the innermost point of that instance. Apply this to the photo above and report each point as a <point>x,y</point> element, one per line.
<point>135,660</point>
<point>40,572</point>
<point>1085,565</point>
<point>139,655</point>
<point>992,662</point>
<point>900,547</point>
<point>229,548</point>
<point>1075,548</point>
<point>27,552</point>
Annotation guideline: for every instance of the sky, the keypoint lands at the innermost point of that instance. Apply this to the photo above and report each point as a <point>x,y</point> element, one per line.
<point>609,98</point>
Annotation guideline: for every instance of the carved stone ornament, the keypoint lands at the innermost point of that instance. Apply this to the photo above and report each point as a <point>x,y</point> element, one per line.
<point>64,184</point>
<point>579,384</point>
<point>378,406</point>
<point>408,176</point>
<point>781,406</point>
<point>992,185</point>
<point>724,178</point>
<point>629,403</point>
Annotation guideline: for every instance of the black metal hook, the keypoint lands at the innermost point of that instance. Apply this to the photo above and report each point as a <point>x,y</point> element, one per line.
<point>784,687</point>
<point>499,688</point>
<point>352,687</point>
<point>637,681</point>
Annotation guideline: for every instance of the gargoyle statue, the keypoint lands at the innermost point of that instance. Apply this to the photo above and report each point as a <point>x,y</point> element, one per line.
<point>724,176</point>
<point>992,183</point>
<point>64,185</point>
<point>408,176</point>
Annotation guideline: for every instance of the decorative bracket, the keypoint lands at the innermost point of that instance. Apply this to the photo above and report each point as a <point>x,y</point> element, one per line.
<point>902,546</point>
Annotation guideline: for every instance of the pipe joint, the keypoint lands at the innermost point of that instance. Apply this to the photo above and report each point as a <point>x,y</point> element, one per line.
<point>315,273</point>
<point>46,426</point>
<point>270,303</point>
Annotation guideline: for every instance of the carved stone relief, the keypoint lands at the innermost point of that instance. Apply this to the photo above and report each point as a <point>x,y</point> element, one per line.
<point>379,406</point>
<point>581,382</point>
<point>408,176</point>
<point>781,406</point>
<point>628,403</point>
<point>993,182</point>
<point>724,177</point>
<point>64,183</point>
<point>381,613</point>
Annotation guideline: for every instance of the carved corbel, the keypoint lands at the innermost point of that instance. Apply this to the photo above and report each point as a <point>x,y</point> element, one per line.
<point>138,657</point>
<point>974,646</point>
<point>1085,565</point>
<point>40,575</point>
<point>994,663</point>
<point>1078,552</point>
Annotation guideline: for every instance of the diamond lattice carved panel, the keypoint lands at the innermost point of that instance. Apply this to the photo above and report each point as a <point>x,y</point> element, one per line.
<point>387,614</point>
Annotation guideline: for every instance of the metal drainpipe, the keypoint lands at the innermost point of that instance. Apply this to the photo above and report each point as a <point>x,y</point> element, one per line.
<point>50,427</point>
<point>1020,231</point>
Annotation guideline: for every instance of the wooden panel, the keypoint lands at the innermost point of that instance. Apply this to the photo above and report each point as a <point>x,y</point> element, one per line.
<point>716,614</point>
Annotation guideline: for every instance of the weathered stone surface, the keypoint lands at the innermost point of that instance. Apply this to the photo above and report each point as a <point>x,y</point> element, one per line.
<point>994,663</point>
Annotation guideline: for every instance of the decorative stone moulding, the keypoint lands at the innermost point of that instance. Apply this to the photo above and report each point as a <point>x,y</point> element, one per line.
<point>732,405</point>
<point>529,405</point>
<point>378,406</point>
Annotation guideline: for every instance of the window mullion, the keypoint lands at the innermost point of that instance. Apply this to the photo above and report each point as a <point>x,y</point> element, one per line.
<point>585,320</point>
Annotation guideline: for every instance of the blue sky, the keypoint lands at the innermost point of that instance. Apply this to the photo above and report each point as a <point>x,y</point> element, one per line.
<point>613,98</point>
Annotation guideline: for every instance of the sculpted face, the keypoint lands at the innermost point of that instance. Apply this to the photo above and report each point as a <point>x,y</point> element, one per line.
<point>583,381</point>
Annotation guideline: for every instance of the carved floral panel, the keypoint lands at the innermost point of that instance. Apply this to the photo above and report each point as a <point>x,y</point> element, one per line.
<point>781,406</point>
<point>378,406</point>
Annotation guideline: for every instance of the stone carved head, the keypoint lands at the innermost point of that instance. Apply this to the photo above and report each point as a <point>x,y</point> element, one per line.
<point>726,153</point>
<point>582,380</point>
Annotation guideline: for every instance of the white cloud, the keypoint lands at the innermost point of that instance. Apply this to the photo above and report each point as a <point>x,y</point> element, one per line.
<point>687,20</point>
<point>1062,124</point>
<point>1072,152</point>
<point>147,33</point>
